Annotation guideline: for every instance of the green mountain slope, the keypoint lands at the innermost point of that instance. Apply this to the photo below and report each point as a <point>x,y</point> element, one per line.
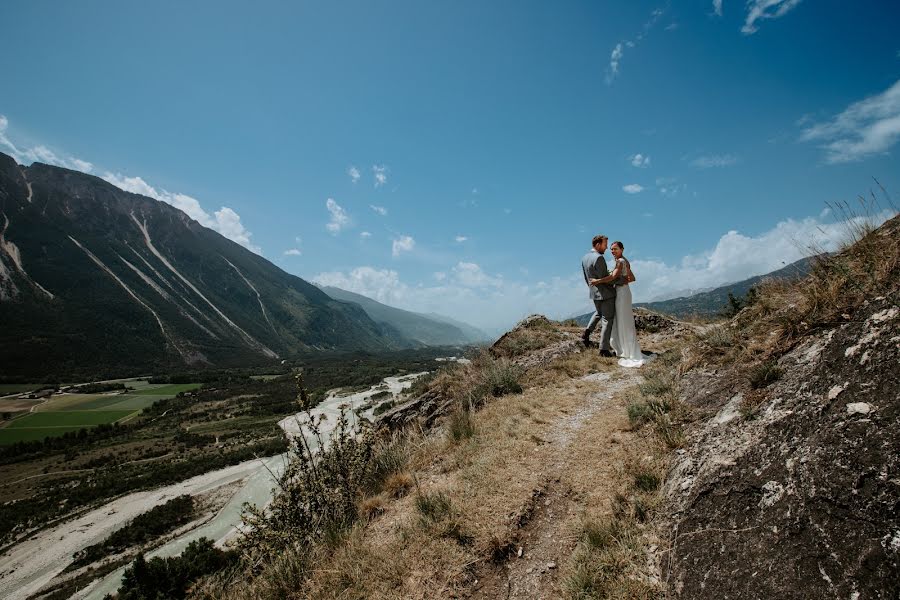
<point>97,280</point>
<point>427,330</point>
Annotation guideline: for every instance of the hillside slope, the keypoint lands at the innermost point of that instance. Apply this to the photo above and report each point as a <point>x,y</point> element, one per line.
<point>753,459</point>
<point>96,280</point>
<point>426,330</point>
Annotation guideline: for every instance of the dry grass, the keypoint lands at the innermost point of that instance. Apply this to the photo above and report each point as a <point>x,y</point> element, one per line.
<point>397,485</point>
<point>444,503</point>
<point>866,267</point>
<point>538,334</point>
<point>468,486</point>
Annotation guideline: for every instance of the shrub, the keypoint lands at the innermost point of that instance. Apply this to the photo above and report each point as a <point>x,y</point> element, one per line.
<point>646,482</point>
<point>764,374</point>
<point>460,425</point>
<point>498,378</point>
<point>317,495</point>
<point>398,484</point>
<point>434,506</point>
<point>171,577</point>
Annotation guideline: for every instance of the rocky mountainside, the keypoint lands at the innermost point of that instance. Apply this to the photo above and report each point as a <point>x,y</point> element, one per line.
<point>95,280</point>
<point>426,330</point>
<point>789,484</point>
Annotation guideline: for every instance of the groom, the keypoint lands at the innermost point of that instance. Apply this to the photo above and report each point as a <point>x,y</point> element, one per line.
<point>593,265</point>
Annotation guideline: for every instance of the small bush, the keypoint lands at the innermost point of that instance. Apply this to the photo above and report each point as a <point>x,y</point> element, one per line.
<point>434,506</point>
<point>764,374</point>
<point>460,425</point>
<point>638,413</point>
<point>717,339</point>
<point>670,433</point>
<point>398,485</point>
<point>498,378</point>
<point>171,577</point>
<point>646,482</point>
<point>371,507</point>
<point>656,384</point>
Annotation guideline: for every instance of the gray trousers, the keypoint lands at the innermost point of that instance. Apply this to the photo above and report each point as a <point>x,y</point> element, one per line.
<point>605,315</point>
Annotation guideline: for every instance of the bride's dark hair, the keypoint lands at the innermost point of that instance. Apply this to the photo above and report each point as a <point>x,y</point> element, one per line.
<point>619,244</point>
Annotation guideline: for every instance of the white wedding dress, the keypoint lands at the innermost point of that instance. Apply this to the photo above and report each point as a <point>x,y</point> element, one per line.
<point>624,336</point>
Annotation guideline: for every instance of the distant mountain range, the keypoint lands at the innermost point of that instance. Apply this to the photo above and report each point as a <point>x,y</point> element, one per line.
<point>713,302</point>
<point>425,329</point>
<point>95,280</point>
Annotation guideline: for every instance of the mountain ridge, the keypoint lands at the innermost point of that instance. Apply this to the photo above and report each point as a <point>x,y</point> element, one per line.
<point>93,275</point>
<point>428,330</point>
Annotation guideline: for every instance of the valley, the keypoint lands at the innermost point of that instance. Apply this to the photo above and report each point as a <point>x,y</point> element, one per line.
<point>220,440</point>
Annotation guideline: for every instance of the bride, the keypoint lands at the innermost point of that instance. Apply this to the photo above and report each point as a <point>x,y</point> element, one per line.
<point>624,336</point>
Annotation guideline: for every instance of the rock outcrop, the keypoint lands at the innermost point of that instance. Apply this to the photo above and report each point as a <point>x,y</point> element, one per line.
<point>793,490</point>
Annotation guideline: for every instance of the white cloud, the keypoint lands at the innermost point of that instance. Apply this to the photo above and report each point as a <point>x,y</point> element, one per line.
<point>714,160</point>
<point>354,173</point>
<point>365,235</point>
<point>614,58</point>
<point>39,153</point>
<point>402,244</point>
<point>633,188</point>
<point>671,26</point>
<point>765,9</point>
<point>379,209</point>
<point>461,238</point>
<point>717,7</point>
<point>618,51</point>
<point>669,186</point>
<point>471,275</point>
<point>639,160</point>
<point>293,252</point>
<point>867,127</point>
<point>225,220</point>
<point>380,173</point>
<point>339,218</point>
<point>492,301</point>
<point>737,256</point>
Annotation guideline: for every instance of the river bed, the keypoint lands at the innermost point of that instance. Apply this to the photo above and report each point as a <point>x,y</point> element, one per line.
<point>257,487</point>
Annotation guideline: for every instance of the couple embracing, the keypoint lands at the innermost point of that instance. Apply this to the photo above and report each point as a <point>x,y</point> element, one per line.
<point>612,299</point>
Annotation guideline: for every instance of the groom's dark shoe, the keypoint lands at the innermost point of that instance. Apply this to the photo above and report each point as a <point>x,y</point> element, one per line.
<point>607,354</point>
<point>586,339</point>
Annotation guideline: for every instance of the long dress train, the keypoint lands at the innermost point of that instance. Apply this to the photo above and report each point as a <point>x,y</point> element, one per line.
<point>624,336</point>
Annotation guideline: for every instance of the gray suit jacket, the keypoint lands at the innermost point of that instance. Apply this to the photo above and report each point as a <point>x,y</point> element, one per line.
<point>593,265</point>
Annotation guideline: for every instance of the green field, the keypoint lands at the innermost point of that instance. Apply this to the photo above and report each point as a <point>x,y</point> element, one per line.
<point>11,436</point>
<point>71,412</point>
<point>72,418</point>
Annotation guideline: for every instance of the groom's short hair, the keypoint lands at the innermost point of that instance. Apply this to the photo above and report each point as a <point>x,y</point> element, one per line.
<point>597,239</point>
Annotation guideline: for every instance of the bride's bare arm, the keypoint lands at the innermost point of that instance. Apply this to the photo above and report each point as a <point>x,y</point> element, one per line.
<point>611,277</point>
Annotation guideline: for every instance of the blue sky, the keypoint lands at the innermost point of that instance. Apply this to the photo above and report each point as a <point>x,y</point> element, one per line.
<point>457,157</point>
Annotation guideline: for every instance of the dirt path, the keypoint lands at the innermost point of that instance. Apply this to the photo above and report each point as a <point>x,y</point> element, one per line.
<point>590,447</point>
